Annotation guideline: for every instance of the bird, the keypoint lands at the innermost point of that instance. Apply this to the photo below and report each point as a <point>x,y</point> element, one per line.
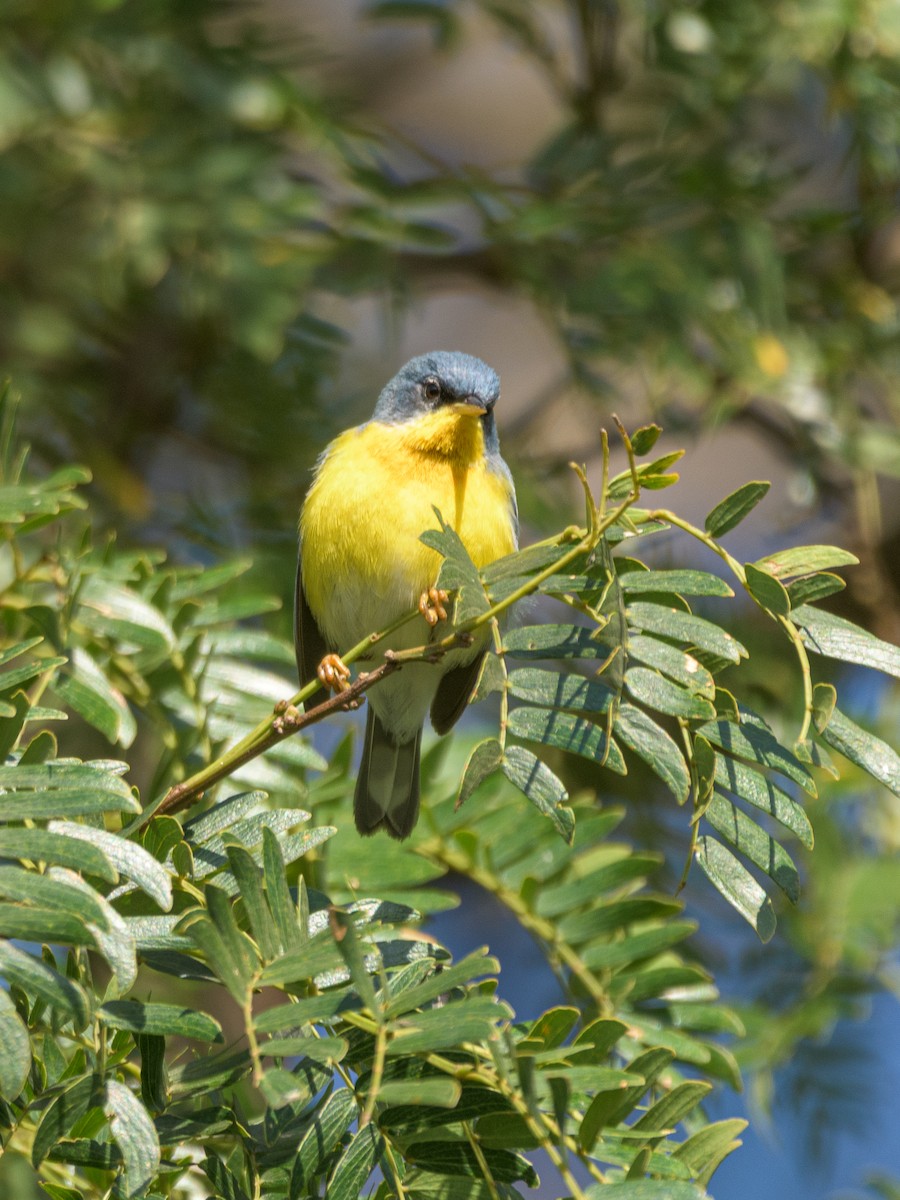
<point>431,444</point>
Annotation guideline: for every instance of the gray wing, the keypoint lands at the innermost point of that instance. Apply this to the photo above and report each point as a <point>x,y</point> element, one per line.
<point>453,694</point>
<point>309,645</point>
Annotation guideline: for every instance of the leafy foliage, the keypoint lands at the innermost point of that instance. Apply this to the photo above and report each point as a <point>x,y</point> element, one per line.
<point>251,982</point>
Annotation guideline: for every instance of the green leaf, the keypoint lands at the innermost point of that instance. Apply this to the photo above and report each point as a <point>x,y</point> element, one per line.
<point>545,791</point>
<point>555,690</point>
<point>352,951</point>
<point>129,859</point>
<point>805,560</point>
<point>320,954</point>
<point>705,1149</point>
<point>330,1123</point>
<point>15,1061</point>
<point>41,982</point>
<point>651,743</point>
<point>484,760</point>
<point>247,875</point>
<point>468,969</point>
<point>52,893</point>
<point>679,666</point>
<point>767,591</point>
<point>61,1114</point>
<point>745,835</point>
<point>834,637</point>
<point>870,753</point>
<point>554,641</point>
<point>599,1037</point>
<point>729,512</point>
<point>756,789</point>
<point>553,728</point>
<point>61,790</point>
<point>644,439</point>
<point>458,573</point>
<point>683,583</point>
<point>13,722</point>
<point>811,588</point>
<point>162,1019</point>
<point>824,700</point>
<point>18,648</point>
<point>324,1050</point>
<point>135,1134</point>
<point>39,845</point>
<point>112,610</point>
<point>737,885</point>
<point>278,897</point>
<point>470,1020</point>
<point>610,1107</point>
<point>355,1165</point>
<point>459,1158</point>
<point>197,581</point>
<point>523,564</point>
<point>755,742</point>
<point>213,1071</point>
<point>152,1050</point>
<point>223,1180</point>
<point>647,1189</point>
<point>645,944</point>
<point>84,688</point>
<point>661,694</point>
<point>686,628</point>
<point>610,917</point>
<point>9,680</point>
<point>555,901</point>
<point>33,924</point>
<point>438,1091</point>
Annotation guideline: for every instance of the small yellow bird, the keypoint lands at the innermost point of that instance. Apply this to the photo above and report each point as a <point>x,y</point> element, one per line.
<point>432,443</point>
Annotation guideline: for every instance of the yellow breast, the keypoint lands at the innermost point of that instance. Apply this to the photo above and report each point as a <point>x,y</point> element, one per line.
<point>374,493</point>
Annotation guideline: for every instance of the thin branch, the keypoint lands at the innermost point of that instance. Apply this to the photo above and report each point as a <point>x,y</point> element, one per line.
<point>285,721</point>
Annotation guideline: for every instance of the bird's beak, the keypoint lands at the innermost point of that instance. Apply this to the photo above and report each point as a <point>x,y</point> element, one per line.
<point>472,406</point>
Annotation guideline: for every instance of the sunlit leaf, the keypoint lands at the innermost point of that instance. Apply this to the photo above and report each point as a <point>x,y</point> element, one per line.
<point>737,885</point>
<point>729,512</point>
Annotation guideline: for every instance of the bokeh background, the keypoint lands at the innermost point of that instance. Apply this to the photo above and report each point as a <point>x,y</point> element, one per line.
<point>224,225</point>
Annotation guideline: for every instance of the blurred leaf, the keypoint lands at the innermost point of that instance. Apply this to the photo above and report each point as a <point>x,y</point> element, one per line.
<point>15,1062</point>
<point>85,688</point>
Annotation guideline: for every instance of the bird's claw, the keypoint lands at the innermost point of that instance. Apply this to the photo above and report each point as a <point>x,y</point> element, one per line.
<point>333,673</point>
<point>431,605</point>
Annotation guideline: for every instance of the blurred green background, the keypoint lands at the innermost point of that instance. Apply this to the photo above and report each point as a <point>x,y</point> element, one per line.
<point>224,225</point>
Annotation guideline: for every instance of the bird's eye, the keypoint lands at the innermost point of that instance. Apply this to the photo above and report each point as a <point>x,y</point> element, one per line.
<point>432,389</point>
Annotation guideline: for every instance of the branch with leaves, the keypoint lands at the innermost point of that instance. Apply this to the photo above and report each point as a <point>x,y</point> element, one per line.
<point>270,999</point>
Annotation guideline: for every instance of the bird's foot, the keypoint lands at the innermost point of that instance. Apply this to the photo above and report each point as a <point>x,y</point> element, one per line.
<point>431,605</point>
<point>333,673</point>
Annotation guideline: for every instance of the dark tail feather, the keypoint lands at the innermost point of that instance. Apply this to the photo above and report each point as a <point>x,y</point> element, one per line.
<point>387,788</point>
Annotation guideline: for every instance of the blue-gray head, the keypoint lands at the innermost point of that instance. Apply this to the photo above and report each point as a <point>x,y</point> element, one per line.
<point>444,378</point>
<point>432,380</point>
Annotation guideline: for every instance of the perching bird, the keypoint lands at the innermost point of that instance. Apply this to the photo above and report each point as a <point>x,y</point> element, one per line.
<point>431,443</point>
